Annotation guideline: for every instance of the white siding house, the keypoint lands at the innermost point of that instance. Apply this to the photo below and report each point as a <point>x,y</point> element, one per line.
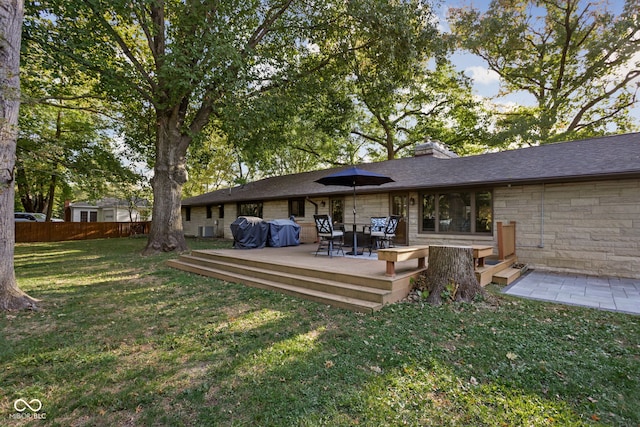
<point>108,210</point>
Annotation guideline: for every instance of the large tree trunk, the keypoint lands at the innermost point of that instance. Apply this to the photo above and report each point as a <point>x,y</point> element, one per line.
<point>11,13</point>
<point>170,174</point>
<point>450,275</point>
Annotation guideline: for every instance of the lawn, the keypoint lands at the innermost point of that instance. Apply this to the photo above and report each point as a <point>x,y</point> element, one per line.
<point>124,340</point>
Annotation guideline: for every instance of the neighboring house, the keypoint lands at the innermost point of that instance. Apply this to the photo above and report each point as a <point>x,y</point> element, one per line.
<point>576,204</point>
<point>107,210</point>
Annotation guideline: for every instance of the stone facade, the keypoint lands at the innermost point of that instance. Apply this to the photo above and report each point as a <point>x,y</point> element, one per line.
<point>583,227</point>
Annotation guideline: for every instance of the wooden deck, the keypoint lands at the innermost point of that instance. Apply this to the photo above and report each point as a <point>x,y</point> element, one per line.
<point>354,283</point>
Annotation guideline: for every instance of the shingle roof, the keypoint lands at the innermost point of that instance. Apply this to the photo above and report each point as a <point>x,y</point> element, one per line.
<point>607,157</point>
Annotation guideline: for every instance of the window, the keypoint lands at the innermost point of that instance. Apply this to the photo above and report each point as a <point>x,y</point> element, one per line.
<point>337,210</point>
<point>187,213</point>
<point>220,211</point>
<point>88,216</point>
<point>296,207</point>
<point>250,209</point>
<point>209,211</point>
<point>457,212</point>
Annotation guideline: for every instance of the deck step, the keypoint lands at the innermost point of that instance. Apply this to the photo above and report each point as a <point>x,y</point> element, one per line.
<point>331,298</point>
<point>493,268</point>
<point>506,276</point>
<point>300,279</point>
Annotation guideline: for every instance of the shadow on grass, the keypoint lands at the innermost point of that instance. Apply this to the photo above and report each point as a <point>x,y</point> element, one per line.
<point>127,340</point>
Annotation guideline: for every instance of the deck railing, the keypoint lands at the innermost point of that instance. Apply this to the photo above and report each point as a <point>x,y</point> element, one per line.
<point>506,239</point>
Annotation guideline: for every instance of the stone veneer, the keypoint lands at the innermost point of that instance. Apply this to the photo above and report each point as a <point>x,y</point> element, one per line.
<point>584,227</point>
<point>587,228</point>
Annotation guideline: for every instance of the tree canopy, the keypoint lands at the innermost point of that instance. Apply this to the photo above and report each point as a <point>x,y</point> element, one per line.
<point>185,63</point>
<point>576,58</point>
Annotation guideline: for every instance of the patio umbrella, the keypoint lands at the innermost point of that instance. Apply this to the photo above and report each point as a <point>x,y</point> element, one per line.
<point>354,177</point>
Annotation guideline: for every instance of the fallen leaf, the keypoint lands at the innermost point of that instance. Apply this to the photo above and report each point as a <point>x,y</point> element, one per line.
<point>594,417</point>
<point>376,369</point>
<point>512,356</point>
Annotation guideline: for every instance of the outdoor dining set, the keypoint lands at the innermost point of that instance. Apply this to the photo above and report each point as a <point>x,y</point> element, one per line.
<point>378,234</point>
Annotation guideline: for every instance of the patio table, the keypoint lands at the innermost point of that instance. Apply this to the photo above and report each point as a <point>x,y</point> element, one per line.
<point>363,240</point>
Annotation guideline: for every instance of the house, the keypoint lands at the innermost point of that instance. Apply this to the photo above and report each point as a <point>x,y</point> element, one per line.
<point>576,204</point>
<point>107,210</point>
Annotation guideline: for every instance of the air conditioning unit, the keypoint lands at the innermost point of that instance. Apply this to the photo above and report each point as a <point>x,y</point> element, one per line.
<point>205,231</point>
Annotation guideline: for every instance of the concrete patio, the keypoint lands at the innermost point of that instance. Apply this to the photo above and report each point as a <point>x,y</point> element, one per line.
<point>605,293</point>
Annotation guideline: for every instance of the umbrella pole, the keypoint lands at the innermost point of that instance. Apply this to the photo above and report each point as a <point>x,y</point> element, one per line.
<point>355,238</point>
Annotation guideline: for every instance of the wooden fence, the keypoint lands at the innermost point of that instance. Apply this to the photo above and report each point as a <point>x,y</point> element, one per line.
<point>59,231</point>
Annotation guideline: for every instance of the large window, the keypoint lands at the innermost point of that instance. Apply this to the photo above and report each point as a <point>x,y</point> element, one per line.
<point>457,212</point>
<point>250,209</point>
<point>296,207</point>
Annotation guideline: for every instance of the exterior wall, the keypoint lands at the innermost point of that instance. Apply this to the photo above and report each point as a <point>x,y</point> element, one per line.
<point>586,228</point>
<point>367,206</point>
<point>199,219</point>
<point>118,214</point>
<point>106,214</point>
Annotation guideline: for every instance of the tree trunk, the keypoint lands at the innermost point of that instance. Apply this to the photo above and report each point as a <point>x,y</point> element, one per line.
<point>450,275</point>
<point>11,13</point>
<point>170,173</point>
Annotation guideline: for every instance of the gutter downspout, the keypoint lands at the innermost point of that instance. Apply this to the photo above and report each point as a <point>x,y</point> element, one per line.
<point>541,245</point>
<point>314,204</point>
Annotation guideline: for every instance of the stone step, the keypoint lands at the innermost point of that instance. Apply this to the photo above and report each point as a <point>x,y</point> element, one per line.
<point>506,276</point>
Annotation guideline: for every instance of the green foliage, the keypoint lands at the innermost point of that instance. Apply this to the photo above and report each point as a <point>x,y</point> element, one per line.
<point>405,87</point>
<point>575,58</point>
<point>123,339</point>
<point>448,293</point>
<point>66,143</point>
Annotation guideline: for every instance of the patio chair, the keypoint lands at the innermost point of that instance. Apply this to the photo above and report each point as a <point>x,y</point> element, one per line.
<point>377,225</point>
<point>384,238</point>
<point>327,236</point>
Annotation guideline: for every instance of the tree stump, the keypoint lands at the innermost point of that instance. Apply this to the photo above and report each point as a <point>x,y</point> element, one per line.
<point>450,275</point>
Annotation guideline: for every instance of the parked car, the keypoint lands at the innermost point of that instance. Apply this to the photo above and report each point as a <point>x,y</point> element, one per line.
<point>32,217</point>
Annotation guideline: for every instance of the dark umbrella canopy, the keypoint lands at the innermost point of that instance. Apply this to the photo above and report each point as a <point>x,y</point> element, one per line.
<point>354,177</point>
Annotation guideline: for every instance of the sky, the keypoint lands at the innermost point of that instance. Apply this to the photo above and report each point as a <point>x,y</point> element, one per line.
<point>486,82</point>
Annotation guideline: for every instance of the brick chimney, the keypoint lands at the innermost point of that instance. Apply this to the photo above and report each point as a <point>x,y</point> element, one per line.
<point>434,148</point>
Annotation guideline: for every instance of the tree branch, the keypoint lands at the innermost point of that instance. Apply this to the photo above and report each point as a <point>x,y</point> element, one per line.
<point>123,45</point>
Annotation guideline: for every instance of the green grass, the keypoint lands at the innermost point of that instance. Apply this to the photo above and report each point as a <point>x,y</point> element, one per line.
<point>124,340</point>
